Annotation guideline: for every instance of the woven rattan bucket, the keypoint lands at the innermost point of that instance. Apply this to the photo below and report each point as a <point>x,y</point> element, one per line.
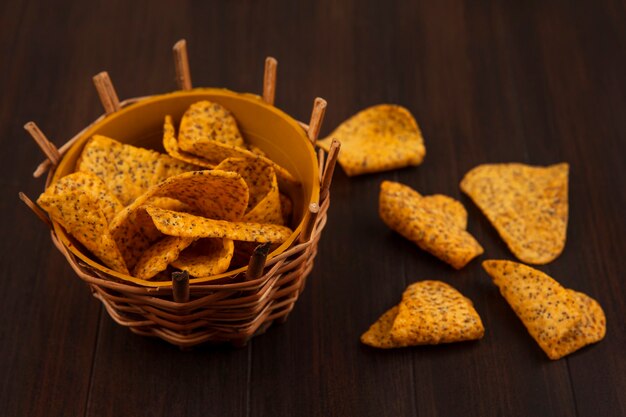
<point>234,306</point>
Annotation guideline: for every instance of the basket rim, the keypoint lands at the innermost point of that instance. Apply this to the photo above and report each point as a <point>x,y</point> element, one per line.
<point>135,104</point>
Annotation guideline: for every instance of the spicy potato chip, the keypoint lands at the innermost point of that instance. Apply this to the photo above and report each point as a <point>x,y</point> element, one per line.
<point>207,130</point>
<point>437,223</point>
<point>159,255</point>
<point>559,319</point>
<point>187,225</point>
<point>433,312</point>
<point>92,185</point>
<point>170,144</point>
<point>379,333</point>
<point>214,194</point>
<point>206,121</point>
<point>206,257</point>
<point>127,171</point>
<point>527,205</point>
<point>264,204</point>
<point>379,138</point>
<point>81,214</point>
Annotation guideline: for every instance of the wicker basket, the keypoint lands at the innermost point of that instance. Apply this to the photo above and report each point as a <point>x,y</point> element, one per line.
<point>236,305</point>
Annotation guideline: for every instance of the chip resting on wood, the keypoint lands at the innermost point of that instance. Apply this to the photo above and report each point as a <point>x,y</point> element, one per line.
<point>431,312</point>
<point>436,223</point>
<point>559,319</point>
<point>527,205</point>
<point>379,138</point>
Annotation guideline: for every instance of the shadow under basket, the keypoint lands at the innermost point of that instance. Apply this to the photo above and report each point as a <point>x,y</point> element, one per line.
<point>236,305</point>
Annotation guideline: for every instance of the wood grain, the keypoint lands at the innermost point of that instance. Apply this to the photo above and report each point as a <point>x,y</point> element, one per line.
<point>534,82</point>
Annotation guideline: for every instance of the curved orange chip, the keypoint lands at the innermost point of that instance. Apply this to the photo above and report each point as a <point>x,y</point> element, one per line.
<point>379,333</point>
<point>127,171</point>
<point>82,215</point>
<point>379,138</point>
<point>527,205</point>
<point>559,319</point>
<point>187,225</point>
<point>206,257</point>
<point>437,223</point>
<point>211,193</point>
<point>170,144</point>
<point>209,131</point>
<point>156,258</point>
<point>92,185</point>
<point>264,204</point>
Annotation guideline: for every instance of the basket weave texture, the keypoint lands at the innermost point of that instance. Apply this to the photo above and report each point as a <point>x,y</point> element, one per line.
<point>226,312</point>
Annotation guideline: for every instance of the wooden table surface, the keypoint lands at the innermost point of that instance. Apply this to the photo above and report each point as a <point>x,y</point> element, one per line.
<point>529,81</point>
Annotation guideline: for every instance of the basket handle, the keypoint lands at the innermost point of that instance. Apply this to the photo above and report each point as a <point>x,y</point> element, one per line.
<point>329,170</point>
<point>269,80</point>
<point>106,91</point>
<point>47,147</point>
<point>317,117</point>
<point>180,286</point>
<point>257,261</point>
<point>35,209</point>
<point>307,230</point>
<point>181,63</point>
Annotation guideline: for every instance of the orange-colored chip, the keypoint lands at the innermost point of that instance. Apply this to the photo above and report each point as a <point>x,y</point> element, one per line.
<point>206,257</point>
<point>170,144</point>
<point>264,201</point>
<point>527,205</point>
<point>126,170</point>
<point>206,121</point>
<point>214,194</point>
<point>377,139</point>
<point>559,319</point>
<point>81,214</point>
<point>209,131</point>
<point>379,333</point>
<point>187,225</point>
<point>433,312</point>
<point>92,185</point>
<point>437,223</point>
<point>159,255</point>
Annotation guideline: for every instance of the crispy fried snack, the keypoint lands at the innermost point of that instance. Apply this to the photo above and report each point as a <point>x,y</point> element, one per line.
<point>436,223</point>
<point>379,138</point>
<point>527,205</point>
<point>559,319</point>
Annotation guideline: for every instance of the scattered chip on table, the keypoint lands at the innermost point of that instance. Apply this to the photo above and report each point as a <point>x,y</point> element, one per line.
<point>527,205</point>
<point>158,256</point>
<point>559,319</point>
<point>170,144</point>
<point>128,171</point>
<point>379,138</point>
<point>379,333</point>
<point>206,257</point>
<point>437,223</point>
<point>264,204</point>
<point>431,312</point>
<point>187,225</point>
